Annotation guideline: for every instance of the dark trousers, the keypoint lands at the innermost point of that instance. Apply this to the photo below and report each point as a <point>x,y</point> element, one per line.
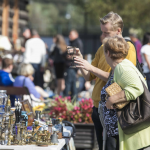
<point>111,142</point>
<point>70,82</point>
<point>117,141</point>
<point>148,79</point>
<point>37,74</point>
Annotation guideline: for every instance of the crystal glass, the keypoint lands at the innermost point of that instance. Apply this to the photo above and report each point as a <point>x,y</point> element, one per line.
<point>71,51</point>
<point>3,101</point>
<point>50,129</point>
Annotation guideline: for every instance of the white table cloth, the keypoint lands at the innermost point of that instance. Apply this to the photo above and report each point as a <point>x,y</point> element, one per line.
<point>34,147</point>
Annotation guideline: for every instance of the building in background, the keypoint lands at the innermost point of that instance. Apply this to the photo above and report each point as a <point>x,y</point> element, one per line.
<point>13,18</point>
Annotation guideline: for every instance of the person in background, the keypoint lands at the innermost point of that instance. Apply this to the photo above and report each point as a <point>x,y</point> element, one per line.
<point>145,53</point>
<point>74,40</point>
<point>138,45</point>
<point>25,79</point>
<point>6,78</point>
<point>53,45</point>
<point>70,73</point>
<point>26,35</point>
<point>59,62</point>
<point>35,55</point>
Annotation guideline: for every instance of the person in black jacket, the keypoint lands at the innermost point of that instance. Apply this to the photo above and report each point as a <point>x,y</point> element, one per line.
<point>75,40</point>
<point>70,73</point>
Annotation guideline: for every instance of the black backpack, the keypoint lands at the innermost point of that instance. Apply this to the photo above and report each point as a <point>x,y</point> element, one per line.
<point>139,65</point>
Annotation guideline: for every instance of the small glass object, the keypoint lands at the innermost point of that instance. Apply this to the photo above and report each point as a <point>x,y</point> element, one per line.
<point>50,129</point>
<point>6,133</point>
<point>71,51</point>
<point>3,100</point>
<point>25,117</point>
<point>60,126</point>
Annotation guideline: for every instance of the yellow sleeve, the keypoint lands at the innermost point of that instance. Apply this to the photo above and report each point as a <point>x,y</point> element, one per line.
<point>131,53</point>
<point>95,63</point>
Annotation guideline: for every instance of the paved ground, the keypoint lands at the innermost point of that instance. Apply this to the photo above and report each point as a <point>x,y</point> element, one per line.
<point>147,148</point>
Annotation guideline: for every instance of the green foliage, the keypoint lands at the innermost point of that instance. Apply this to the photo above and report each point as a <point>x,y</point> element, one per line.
<point>134,13</point>
<point>48,16</point>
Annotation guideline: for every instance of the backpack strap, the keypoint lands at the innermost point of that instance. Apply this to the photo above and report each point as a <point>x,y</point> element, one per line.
<point>138,64</point>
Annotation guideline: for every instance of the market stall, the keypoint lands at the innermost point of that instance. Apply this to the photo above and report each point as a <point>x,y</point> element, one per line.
<point>22,129</point>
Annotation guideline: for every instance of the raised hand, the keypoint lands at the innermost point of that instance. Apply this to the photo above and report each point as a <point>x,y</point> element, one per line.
<point>76,53</point>
<point>82,63</point>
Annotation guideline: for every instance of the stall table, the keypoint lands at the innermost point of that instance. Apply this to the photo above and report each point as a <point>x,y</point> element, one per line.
<point>60,145</point>
<point>67,131</point>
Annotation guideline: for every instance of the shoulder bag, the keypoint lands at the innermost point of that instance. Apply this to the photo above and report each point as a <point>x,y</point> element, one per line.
<point>135,116</point>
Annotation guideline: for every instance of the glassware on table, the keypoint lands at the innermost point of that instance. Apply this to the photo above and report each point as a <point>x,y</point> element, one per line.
<point>3,101</point>
<point>71,51</point>
<point>50,128</point>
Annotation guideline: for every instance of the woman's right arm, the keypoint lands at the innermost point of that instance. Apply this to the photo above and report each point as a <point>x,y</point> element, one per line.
<point>147,60</point>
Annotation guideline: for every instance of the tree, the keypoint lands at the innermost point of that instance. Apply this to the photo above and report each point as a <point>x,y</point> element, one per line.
<point>134,13</point>
<point>50,18</point>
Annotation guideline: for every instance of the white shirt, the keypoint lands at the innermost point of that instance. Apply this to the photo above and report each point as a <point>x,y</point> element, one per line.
<point>145,50</point>
<point>35,51</point>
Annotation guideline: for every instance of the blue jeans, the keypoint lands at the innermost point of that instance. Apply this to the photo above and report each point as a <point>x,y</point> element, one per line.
<point>81,84</point>
<point>70,82</point>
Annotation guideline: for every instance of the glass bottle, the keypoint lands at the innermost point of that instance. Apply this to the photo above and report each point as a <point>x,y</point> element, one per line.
<point>6,133</point>
<point>3,97</point>
<point>60,125</point>
<point>50,128</point>
<point>3,101</point>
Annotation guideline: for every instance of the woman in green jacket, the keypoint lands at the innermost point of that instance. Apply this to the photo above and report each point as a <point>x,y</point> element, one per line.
<point>125,74</point>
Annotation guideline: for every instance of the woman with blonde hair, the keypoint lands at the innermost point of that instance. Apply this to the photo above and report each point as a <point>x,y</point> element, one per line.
<point>59,62</point>
<point>25,79</point>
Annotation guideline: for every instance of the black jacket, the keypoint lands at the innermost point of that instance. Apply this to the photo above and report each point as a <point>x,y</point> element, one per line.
<point>77,43</point>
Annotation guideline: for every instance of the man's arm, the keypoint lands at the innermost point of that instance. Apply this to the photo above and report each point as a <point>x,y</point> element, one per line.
<point>86,74</point>
<point>43,56</point>
<point>86,68</point>
<point>89,71</point>
<point>147,60</point>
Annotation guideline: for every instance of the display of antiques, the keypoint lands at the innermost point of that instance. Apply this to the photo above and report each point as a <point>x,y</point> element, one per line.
<point>14,129</point>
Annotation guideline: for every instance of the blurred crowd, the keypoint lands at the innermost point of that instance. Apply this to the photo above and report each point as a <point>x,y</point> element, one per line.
<point>44,70</point>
